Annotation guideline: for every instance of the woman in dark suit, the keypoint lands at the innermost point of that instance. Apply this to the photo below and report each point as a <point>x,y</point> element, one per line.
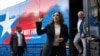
<point>57,35</point>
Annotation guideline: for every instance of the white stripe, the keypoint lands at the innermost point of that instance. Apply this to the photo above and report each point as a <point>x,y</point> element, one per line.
<point>8,3</point>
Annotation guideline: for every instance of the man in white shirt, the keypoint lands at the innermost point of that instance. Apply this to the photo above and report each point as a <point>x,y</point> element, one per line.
<point>17,43</point>
<point>80,35</point>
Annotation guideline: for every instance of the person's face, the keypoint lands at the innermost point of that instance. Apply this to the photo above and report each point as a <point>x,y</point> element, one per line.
<point>80,15</point>
<point>19,30</point>
<point>56,17</point>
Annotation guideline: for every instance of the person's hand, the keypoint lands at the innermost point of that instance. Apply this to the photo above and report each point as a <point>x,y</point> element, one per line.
<point>26,51</point>
<point>12,52</point>
<point>41,18</point>
<point>90,38</point>
<point>83,35</point>
<point>59,39</point>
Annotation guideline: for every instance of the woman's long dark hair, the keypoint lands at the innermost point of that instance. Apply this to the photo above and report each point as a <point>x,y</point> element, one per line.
<point>61,18</point>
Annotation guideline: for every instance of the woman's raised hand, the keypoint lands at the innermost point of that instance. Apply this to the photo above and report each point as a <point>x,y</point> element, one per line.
<point>41,17</point>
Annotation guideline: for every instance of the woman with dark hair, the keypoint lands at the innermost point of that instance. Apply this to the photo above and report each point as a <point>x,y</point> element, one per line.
<point>57,35</point>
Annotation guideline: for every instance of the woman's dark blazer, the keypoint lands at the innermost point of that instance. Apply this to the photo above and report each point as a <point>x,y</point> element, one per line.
<point>50,31</point>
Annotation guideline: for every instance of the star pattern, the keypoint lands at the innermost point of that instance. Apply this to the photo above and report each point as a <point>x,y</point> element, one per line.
<point>6,24</point>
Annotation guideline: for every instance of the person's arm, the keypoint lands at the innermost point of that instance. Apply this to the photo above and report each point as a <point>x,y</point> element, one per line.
<point>82,30</point>
<point>25,46</point>
<point>39,25</point>
<point>65,36</point>
<point>97,39</point>
<point>39,28</point>
<point>11,43</point>
<point>94,38</point>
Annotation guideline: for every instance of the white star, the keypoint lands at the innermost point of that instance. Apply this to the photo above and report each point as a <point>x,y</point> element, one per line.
<point>6,24</point>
